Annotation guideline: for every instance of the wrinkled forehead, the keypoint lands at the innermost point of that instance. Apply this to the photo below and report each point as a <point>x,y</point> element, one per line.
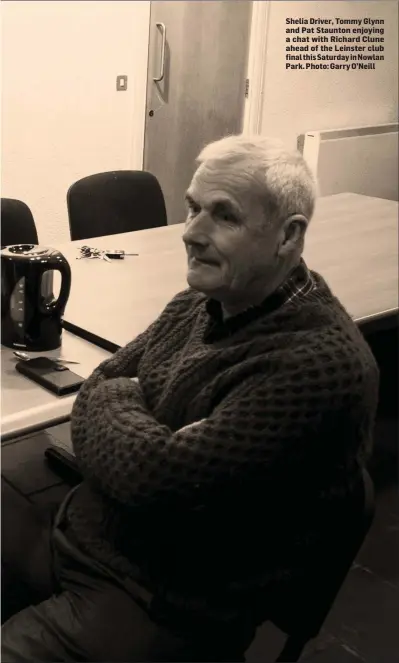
<point>224,178</point>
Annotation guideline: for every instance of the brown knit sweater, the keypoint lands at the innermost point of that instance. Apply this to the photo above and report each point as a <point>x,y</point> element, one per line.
<point>211,477</point>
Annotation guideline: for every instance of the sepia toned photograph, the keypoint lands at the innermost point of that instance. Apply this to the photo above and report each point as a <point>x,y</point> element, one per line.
<point>199,331</point>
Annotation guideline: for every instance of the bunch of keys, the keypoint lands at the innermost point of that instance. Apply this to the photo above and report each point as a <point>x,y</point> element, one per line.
<point>106,254</point>
<point>88,252</point>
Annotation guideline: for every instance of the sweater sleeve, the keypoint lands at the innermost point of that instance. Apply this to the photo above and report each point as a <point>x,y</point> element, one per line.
<point>124,362</point>
<point>137,461</point>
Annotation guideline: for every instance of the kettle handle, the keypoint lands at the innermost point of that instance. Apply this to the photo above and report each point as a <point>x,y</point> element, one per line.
<point>59,304</point>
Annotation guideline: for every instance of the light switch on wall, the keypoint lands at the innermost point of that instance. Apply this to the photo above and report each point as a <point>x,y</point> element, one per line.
<point>121,83</point>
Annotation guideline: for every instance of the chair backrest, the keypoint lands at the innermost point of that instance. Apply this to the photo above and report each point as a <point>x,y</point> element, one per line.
<point>303,611</point>
<point>17,223</point>
<point>115,202</point>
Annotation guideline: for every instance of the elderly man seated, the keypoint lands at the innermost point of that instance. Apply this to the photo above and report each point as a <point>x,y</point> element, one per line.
<point>214,447</point>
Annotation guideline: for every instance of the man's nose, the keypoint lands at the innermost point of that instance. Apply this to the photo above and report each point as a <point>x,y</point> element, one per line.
<point>196,230</point>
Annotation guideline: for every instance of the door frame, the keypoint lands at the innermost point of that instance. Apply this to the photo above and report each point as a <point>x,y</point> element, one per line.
<point>252,121</point>
<point>141,52</point>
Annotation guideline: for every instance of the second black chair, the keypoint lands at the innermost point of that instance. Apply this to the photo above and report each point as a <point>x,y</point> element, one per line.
<point>17,223</point>
<point>116,202</point>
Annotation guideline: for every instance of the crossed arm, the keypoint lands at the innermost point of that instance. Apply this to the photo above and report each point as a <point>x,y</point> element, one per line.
<point>133,458</point>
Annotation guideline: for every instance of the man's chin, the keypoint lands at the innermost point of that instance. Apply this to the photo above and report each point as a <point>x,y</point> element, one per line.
<point>207,286</point>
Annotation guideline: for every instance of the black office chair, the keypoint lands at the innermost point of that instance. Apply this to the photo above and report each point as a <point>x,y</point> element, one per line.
<point>17,223</point>
<point>302,611</point>
<point>116,202</point>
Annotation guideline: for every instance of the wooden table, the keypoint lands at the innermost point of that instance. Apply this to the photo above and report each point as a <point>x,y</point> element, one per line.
<point>352,241</point>
<point>27,407</point>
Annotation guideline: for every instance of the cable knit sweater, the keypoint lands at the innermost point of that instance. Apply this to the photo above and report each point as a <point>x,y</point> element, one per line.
<point>209,477</point>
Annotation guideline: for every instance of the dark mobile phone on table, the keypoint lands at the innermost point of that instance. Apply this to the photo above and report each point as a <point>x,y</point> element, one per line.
<point>51,375</point>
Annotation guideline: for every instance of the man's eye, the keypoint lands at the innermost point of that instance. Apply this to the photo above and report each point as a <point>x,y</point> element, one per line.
<point>225,215</point>
<point>194,209</point>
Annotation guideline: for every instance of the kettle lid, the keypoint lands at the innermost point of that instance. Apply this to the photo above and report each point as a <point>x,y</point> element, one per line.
<point>24,251</point>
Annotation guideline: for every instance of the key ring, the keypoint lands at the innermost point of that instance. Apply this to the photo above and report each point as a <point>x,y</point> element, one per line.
<point>89,252</point>
<point>107,254</point>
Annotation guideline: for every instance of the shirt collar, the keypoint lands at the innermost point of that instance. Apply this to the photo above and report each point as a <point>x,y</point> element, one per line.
<point>297,285</point>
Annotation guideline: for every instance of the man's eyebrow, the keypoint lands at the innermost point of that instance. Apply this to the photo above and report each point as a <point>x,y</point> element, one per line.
<point>228,204</point>
<point>222,202</point>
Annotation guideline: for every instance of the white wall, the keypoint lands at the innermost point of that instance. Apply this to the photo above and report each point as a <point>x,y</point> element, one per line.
<point>299,101</point>
<point>62,118</point>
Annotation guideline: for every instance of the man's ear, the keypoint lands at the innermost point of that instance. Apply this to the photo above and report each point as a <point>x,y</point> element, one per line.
<point>292,234</point>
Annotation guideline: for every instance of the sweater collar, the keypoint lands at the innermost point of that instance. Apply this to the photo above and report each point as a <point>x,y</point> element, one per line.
<point>298,284</point>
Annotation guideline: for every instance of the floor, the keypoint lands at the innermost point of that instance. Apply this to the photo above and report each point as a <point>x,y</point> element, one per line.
<point>362,626</point>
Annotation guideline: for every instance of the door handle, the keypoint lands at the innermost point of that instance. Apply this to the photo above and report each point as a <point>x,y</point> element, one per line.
<point>162,28</point>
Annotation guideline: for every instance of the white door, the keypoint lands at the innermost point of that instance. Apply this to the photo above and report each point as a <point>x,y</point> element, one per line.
<point>195,87</point>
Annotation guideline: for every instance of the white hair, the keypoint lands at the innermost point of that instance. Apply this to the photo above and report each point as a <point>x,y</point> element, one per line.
<point>284,179</point>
